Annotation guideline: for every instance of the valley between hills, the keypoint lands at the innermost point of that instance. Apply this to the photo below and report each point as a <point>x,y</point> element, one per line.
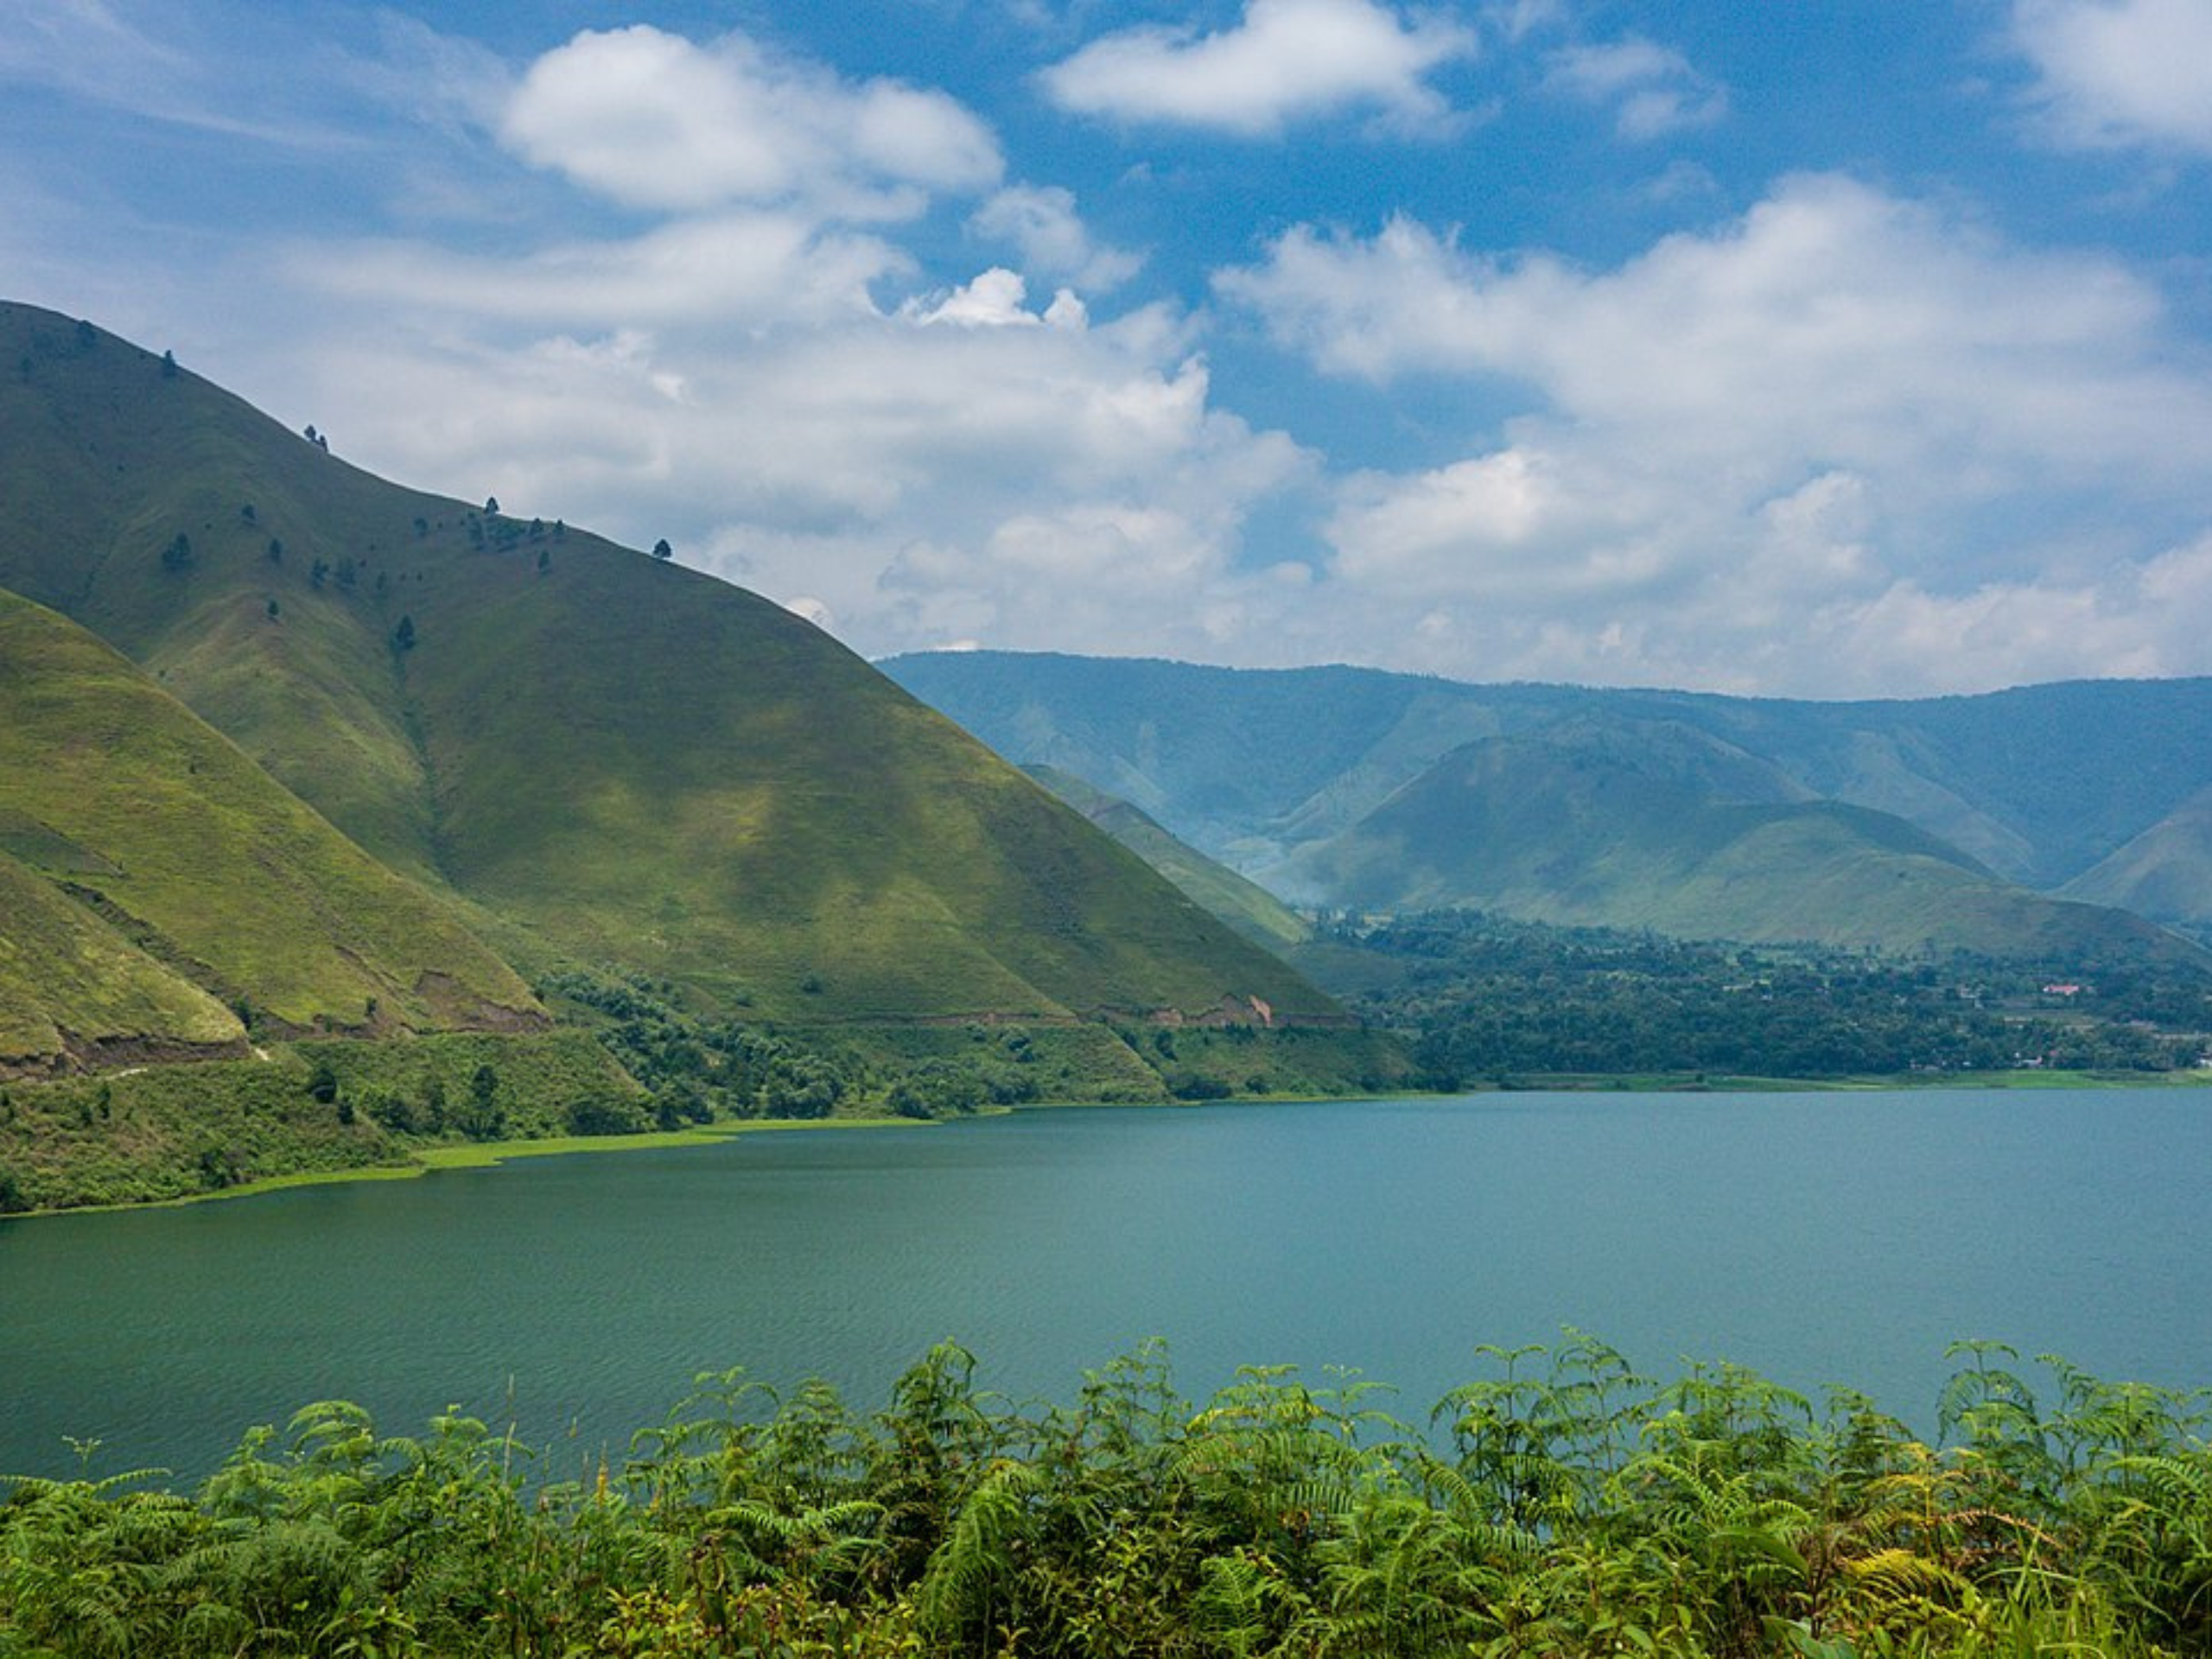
<point>342,824</point>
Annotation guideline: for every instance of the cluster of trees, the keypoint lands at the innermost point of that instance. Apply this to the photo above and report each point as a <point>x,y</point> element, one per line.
<point>492,531</point>
<point>14,1200</point>
<point>1186,1082</point>
<point>480,1115</point>
<point>698,1070</point>
<point>177,557</point>
<point>1561,1505</point>
<point>477,1087</point>
<point>1485,998</point>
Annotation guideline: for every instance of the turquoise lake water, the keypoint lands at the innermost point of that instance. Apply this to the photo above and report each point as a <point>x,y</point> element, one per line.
<point>1817,1237</point>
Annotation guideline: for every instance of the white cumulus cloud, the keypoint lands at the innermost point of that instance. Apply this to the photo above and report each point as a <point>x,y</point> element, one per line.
<point>1042,222</point>
<point>654,120</point>
<point>998,298</point>
<point>1652,90</point>
<point>2122,72</point>
<point>1286,59</point>
<point>1747,457</point>
<point>1832,320</point>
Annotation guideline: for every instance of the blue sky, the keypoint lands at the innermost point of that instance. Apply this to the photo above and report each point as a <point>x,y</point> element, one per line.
<point>1848,350</point>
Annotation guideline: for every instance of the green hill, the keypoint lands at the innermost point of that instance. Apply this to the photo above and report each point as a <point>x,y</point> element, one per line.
<point>1244,905</point>
<point>71,988</point>
<point>155,879</point>
<point>602,760</point>
<point>1602,834</point>
<point>2165,873</point>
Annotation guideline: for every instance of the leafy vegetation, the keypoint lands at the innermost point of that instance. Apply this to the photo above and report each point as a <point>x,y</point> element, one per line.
<point>628,1060</point>
<point>1486,998</point>
<point>163,1132</point>
<point>699,1068</point>
<point>1560,1504</point>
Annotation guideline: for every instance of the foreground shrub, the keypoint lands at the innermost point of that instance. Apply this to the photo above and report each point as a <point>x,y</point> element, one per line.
<point>1561,1504</point>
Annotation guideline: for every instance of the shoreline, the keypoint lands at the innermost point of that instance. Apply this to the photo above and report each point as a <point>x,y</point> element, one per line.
<point>489,1154</point>
<point>1722,1083</point>
<point>482,1155</point>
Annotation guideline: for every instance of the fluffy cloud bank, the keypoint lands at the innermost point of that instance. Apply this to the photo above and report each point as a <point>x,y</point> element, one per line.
<point>1844,443</point>
<point>1832,319</point>
<point>1287,60</point>
<point>764,375</point>
<point>949,468</point>
<point>1793,446</point>
<point>814,328</point>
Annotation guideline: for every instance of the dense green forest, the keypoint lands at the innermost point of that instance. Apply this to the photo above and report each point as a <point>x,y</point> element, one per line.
<point>1488,1000</point>
<point>1560,1504</point>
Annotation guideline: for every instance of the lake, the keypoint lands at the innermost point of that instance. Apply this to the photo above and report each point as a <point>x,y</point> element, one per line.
<point>1817,1238</point>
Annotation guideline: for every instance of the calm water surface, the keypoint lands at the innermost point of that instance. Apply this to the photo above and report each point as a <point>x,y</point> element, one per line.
<point>1817,1237</point>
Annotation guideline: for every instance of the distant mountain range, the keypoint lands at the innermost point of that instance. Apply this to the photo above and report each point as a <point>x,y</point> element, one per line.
<point>2057,822</point>
<point>284,744</point>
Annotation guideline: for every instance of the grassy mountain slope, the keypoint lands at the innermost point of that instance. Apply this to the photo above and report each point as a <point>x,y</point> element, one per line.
<point>187,867</point>
<point>1589,835</point>
<point>2040,783</point>
<point>611,760</point>
<point>71,983</point>
<point>749,809</point>
<point>1244,905</point>
<point>2165,873</point>
<point>105,460</point>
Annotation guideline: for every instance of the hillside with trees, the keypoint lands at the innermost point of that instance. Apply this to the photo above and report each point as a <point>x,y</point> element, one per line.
<point>1485,1001</point>
<point>513,757</point>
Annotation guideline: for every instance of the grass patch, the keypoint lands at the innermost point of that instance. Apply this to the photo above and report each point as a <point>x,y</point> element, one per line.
<point>190,878</point>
